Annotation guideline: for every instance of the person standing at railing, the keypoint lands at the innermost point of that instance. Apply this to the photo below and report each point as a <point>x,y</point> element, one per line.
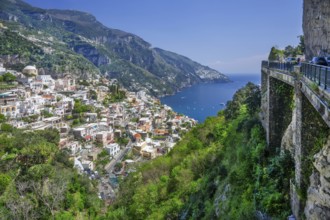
<point>298,61</point>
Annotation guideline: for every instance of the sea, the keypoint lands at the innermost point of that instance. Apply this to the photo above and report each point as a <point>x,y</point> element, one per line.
<point>207,99</point>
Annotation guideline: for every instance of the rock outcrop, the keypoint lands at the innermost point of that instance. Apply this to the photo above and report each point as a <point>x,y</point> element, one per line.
<point>318,195</point>
<point>316,25</point>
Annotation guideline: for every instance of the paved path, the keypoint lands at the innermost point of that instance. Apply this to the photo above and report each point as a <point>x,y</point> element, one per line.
<point>104,186</point>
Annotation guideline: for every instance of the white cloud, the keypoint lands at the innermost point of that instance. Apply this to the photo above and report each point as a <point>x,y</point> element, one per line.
<point>249,64</point>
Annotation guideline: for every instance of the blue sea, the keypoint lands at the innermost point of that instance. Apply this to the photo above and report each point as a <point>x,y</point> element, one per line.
<point>207,99</point>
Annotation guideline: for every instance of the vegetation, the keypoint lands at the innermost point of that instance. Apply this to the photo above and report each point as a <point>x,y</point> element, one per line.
<point>6,81</point>
<point>2,118</point>
<point>65,42</point>
<point>78,112</point>
<point>61,60</point>
<point>289,51</point>
<point>37,180</point>
<point>7,77</point>
<point>30,119</point>
<point>115,95</point>
<point>221,169</point>
<point>122,141</point>
<point>103,158</point>
<point>46,114</point>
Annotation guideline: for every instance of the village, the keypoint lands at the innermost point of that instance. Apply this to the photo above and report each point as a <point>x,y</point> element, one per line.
<point>104,128</point>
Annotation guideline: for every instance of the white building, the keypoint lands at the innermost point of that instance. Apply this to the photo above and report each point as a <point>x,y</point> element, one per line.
<point>2,69</point>
<point>46,80</point>
<point>112,149</point>
<point>74,147</point>
<point>87,164</point>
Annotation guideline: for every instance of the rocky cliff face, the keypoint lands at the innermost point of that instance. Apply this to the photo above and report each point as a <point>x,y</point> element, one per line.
<point>318,200</point>
<point>316,25</point>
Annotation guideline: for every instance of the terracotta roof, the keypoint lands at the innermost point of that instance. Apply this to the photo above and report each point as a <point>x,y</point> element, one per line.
<point>137,136</point>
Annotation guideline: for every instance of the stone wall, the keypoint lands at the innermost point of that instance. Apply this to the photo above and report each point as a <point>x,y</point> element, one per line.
<point>316,26</point>
<point>293,120</point>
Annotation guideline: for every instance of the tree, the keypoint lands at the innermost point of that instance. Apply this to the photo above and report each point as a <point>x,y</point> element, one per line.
<point>289,51</point>
<point>8,77</point>
<point>93,94</point>
<point>51,192</point>
<point>118,166</point>
<point>6,127</point>
<point>51,135</point>
<point>275,54</point>
<point>301,46</point>
<point>20,206</point>
<point>4,182</point>
<point>37,154</point>
<point>2,118</point>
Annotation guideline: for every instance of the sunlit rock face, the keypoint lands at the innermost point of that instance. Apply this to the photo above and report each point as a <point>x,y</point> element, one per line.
<point>316,25</point>
<point>318,195</point>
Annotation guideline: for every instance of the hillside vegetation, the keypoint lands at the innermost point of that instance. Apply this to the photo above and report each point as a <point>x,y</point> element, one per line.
<point>220,170</point>
<point>37,181</point>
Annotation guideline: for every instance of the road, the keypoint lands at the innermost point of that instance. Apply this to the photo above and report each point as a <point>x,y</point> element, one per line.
<point>105,188</point>
<point>109,167</point>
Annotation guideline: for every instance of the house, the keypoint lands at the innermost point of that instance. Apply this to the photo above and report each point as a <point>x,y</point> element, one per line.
<point>46,80</point>
<point>118,133</point>
<point>9,110</point>
<point>85,131</point>
<point>158,120</point>
<point>65,103</point>
<point>2,69</point>
<point>102,92</point>
<point>65,84</point>
<point>36,86</point>
<point>160,132</point>
<point>7,98</point>
<point>138,147</point>
<point>18,123</point>
<point>39,125</point>
<point>105,137</point>
<point>145,124</point>
<point>49,99</point>
<point>92,155</point>
<point>74,147</point>
<point>78,165</point>
<point>148,152</point>
<point>112,149</point>
<point>54,122</point>
<point>87,164</point>
<point>81,94</point>
<point>90,117</point>
<point>59,112</point>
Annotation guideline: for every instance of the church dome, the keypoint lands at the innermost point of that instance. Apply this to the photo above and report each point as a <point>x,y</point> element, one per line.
<point>30,71</point>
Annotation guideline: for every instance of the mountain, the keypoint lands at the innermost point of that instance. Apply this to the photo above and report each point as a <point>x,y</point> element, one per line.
<point>66,41</point>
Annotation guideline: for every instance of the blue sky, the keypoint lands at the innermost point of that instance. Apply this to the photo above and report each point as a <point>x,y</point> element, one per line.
<point>230,36</point>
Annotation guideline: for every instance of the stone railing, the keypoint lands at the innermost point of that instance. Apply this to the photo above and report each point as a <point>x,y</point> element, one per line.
<point>318,74</point>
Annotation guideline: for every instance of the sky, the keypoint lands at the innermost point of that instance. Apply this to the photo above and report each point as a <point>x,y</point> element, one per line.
<point>229,36</point>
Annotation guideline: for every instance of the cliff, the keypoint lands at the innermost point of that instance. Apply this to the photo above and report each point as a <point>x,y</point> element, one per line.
<point>316,26</point>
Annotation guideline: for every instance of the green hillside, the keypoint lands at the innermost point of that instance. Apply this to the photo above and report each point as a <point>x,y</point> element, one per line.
<point>220,170</point>
<point>37,181</point>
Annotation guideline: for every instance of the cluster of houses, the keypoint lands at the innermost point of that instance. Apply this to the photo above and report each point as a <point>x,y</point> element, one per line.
<point>39,102</point>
